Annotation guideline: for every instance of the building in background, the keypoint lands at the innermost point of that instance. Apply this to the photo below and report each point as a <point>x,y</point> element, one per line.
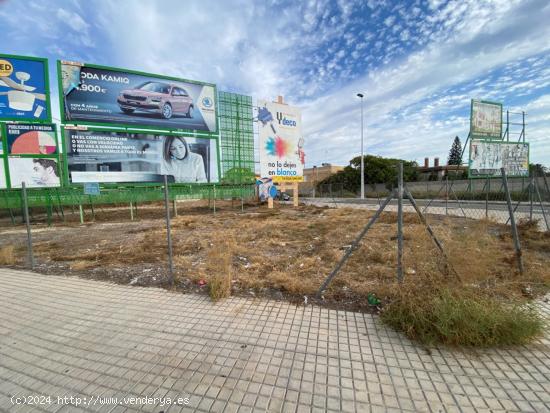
<point>439,172</point>
<point>312,176</point>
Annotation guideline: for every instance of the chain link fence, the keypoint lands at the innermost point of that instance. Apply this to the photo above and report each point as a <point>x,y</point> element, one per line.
<point>468,198</point>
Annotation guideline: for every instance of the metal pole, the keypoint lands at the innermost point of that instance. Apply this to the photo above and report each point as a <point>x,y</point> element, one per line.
<point>360,95</point>
<point>541,206</point>
<point>81,211</point>
<point>28,224</point>
<point>430,231</point>
<point>214,200</point>
<point>487,198</point>
<point>400,224</point>
<point>446,195</point>
<point>531,200</point>
<point>168,233</point>
<point>354,245</point>
<point>131,211</point>
<point>517,246</point>
<point>546,185</point>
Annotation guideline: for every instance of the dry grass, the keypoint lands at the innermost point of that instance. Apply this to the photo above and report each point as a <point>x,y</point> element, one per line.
<point>294,249</point>
<point>7,255</point>
<point>219,267</point>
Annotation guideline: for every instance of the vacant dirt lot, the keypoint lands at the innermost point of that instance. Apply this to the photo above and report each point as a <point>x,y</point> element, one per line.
<point>282,253</point>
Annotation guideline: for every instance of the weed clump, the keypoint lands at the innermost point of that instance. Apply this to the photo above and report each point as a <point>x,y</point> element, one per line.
<point>220,268</point>
<point>7,255</point>
<point>462,317</point>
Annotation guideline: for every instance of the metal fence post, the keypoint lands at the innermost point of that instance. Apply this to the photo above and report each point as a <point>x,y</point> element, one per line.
<point>168,233</point>
<point>531,199</point>
<point>487,198</point>
<point>400,225</point>
<point>446,195</point>
<point>517,246</point>
<point>28,224</point>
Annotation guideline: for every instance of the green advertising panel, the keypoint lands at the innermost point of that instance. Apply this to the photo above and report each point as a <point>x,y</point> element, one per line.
<point>487,157</point>
<point>31,139</point>
<point>24,89</point>
<point>486,120</point>
<point>99,95</point>
<point>109,156</point>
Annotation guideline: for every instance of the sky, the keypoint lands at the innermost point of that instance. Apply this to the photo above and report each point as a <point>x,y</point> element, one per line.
<point>418,63</point>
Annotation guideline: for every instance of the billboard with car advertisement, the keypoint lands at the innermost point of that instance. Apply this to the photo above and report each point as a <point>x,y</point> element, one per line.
<point>108,156</point>
<point>31,139</point>
<point>35,172</point>
<point>488,157</point>
<point>282,155</point>
<point>24,89</point>
<point>486,120</point>
<point>100,95</point>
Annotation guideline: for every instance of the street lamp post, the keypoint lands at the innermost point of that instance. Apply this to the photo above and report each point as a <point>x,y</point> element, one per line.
<point>360,95</point>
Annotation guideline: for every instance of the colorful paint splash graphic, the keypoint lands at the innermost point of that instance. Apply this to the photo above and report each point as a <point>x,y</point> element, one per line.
<point>277,146</point>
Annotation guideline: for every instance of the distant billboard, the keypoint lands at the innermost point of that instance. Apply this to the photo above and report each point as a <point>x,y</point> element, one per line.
<point>101,95</point>
<point>24,90</point>
<point>486,120</point>
<point>282,155</point>
<point>35,172</point>
<point>109,156</point>
<point>31,139</point>
<point>488,157</point>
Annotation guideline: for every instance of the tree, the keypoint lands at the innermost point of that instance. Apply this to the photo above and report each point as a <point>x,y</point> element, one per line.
<point>377,170</point>
<point>455,154</point>
<point>537,169</point>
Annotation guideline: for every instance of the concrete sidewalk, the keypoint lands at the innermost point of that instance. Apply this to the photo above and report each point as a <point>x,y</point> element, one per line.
<point>99,342</point>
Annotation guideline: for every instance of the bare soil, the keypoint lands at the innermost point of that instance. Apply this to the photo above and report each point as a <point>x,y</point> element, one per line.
<point>284,253</point>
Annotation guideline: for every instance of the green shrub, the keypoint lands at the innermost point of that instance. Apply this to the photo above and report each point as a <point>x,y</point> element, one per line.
<point>462,318</point>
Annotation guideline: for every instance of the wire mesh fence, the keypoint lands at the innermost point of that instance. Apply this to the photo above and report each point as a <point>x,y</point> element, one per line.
<point>468,198</point>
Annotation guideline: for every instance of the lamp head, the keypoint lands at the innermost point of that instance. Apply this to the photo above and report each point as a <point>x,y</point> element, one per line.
<point>360,95</point>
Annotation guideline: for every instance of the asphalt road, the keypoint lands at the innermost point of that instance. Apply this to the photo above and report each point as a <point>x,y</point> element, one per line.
<point>524,207</point>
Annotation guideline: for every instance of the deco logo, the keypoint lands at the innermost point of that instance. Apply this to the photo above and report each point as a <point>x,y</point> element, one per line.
<point>284,121</point>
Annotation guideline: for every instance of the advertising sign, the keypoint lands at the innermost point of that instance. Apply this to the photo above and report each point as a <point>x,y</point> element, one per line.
<point>487,157</point>
<point>99,95</point>
<point>24,93</point>
<point>3,184</point>
<point>282,155</point>
<point>108,156</point>
<point>92,188</point>
<point>31,139</point>
<point>35,172</point>
<point>486,120</point>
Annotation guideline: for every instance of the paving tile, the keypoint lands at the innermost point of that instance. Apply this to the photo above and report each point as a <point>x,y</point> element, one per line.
<point>64,336</point>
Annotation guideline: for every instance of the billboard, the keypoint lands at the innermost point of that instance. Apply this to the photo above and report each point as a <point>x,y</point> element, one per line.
<point>487,157</point>
<point>31,139</point>
<point>93,94</point>
<point>282,155</point>
<point>24,89</point>
<point>109,156</point>
<point>35,172</point>
<point>486,120</point>
<point>3,184</point>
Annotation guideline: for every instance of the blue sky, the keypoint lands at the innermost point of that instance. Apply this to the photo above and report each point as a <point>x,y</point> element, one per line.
<point>418,63</point>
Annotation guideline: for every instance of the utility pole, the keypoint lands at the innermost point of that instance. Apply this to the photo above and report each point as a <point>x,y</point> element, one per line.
<point>360,95</point>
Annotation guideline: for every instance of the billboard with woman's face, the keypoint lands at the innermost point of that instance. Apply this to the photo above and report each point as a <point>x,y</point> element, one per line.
<point>118,157</point>
<point>101,95</point>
